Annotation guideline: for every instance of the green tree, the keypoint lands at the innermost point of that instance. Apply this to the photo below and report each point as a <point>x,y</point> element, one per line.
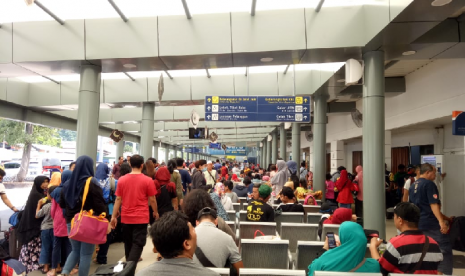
<point>127,148</point>
<point>17,133</point>
<point>68,135</point>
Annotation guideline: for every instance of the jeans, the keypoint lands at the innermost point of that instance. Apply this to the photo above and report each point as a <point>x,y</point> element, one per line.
<point>135,237</point>
<point>342,205</point>
<point>61,250</point>
<point>103,250</point>
<point>81,253</point>
<point>46,237</point>
<point>446,248</point>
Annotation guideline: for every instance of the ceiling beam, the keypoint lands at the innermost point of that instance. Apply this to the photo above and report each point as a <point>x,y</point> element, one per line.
<point>320,4</point>
<point>287,68</point>
<point>121,14</point>
<point>168,74</point>
<point>49,12</point>
<point>254,6</point>
<point>208,73</point>
<point>186,9</point>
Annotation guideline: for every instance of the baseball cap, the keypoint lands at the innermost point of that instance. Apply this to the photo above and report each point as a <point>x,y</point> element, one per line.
<point>209,162</point>
<point>264,191</point>
<point>207,211</point>
<point>407,211</point>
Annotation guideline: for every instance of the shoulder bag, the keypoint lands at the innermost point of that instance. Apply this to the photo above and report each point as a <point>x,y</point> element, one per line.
<point>88,228</point>
<point>423,254</point>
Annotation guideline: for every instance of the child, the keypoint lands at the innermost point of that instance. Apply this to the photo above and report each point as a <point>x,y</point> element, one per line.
<point>330,189</point>
<point>301,191</point>
<point>61,241</point>
<point>44,210</point>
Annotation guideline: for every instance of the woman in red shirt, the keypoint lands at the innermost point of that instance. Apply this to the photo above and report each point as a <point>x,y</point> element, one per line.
<point>345,188</point>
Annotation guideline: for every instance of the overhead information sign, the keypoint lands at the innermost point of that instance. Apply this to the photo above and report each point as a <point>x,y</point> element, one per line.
<point>458,123</point>
<point>192,150</point>
<point>236,151</point>
<point>257,109</point>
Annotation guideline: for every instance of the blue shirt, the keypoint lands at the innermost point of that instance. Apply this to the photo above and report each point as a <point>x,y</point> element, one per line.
<point>185,179</point>
<point>423,193</point>
<point>217,166</point>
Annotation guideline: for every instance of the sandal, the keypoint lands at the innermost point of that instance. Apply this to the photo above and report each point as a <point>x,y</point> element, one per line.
<point>50,273</point>
<point>74,271</point>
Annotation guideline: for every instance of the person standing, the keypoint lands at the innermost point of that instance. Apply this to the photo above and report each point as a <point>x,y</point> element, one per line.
<point>116,168</point>
<point>359,198</point>
<point>3,193</point>
<point>344,187</point>
<point>133,192</point>
<point>198,178</point>
<point>425,195</point>
<point>210,174</point>
<point>410,182</point>
<point>185,175</point>
<point>330,189</point>
<point>217,165</point>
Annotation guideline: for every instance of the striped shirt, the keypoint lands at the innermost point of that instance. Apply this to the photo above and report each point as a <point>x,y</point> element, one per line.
<point>403,252</point>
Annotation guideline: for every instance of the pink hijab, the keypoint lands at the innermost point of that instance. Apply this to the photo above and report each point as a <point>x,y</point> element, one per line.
<point>359,179</point>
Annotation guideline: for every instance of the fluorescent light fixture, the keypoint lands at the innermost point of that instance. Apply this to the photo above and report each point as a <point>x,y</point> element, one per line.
<point>72,77</point>
<point>409,53</point>
<point>267,69</point>
<point>146,74</point>
<point>227,71</point>
<point>341,80</point>
<point>440,3</point>
<point>32,79</point>
<point>266,59</point>
<point>188,73</point>
<point>114,76</point>
<point>132,131</point>
<point>130,106</point>
<point>130,122</point>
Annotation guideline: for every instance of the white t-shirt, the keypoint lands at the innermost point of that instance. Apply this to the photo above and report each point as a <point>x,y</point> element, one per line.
<point>408,183</point>
<point>2,189</point>
<point>211,180</point>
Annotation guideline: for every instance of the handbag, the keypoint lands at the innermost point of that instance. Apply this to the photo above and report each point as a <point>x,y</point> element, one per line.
<point>85,227</point>
<point>14,219</point>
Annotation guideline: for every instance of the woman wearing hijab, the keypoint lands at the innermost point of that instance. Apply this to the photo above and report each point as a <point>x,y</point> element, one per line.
<point>344,187</point>
<point>29,226</point>
<point>349,256</point>
<point>219,206</point>
<point>225,200</point>
<point>280,178</point>
<point>102,172</point>
<point>359,199</point>
<point>56,179</point>
<point>71,201</point>
<point>167,199</point>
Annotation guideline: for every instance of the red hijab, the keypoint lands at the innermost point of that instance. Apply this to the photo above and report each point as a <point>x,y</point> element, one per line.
<point>162,178</point>
<point>339,216</point>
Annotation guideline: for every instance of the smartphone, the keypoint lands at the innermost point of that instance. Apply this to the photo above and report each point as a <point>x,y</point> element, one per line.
<point>331,240</point>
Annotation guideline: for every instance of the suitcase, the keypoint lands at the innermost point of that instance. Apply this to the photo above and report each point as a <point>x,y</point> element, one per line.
<point>107,270</point>
<point>14,244</point>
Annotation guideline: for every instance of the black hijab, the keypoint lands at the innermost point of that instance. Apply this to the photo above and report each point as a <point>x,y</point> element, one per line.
<point>73,188</point>
<point>29,226</point>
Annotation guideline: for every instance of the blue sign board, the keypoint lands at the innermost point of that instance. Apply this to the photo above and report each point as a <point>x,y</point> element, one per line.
<point>234,151</point>
<point>458,123</point>
<point>192,150</point>
<point>257,109</point>
<point>215,146</point>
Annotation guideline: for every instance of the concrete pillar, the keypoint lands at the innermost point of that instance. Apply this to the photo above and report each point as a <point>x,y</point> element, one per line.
<point>319,143</point>
<point>311,165</point>
<point>439,141</point>
<point>264,154</point>
<point>274,147</point>
<point>155,150</point>
<point>268,153</point>
<point>119,149</point>
<point>374,213</point>
<point>167,153</point>
<point>387,149</point>
<point>147,128</point>
<point>259,153</point>
<point>282,142</point>
<point>337,156</point>
<point>88,112</point>
<point>100,148</point>
<point>296,152</point>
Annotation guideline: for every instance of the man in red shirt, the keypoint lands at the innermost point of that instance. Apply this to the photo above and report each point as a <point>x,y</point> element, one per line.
<point>133,192</point>
<point>224,171</point>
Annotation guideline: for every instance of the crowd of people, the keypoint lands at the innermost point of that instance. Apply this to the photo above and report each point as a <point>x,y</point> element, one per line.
<point>185,204</point>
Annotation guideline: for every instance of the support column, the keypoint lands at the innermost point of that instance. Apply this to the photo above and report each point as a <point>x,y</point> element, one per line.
<point>387,149</point>
<point>167,153</point>
<point>311,159</point>
<point>274,147</point>
<point>88,112</point>
<point>155,150</point>
<point>296,152</point>
<point>176,152</point>
<point>374,215</point>
<point>264,154</point>
<point>439,141</point>
<point>268,152</point>
<point>282,142</point>
<point>119,149</point>
<point>337,156</point>
<point>259,153</point>
<point>319,143</point>
<point>147,128</point>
